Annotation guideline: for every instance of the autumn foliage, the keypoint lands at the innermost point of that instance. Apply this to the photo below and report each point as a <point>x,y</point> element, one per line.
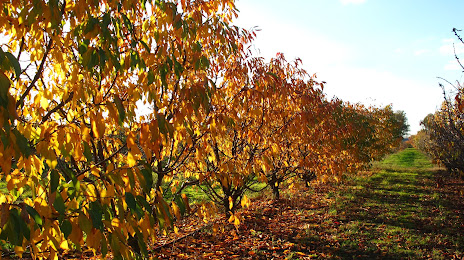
<point>442,136</point>
<point>106,105</point>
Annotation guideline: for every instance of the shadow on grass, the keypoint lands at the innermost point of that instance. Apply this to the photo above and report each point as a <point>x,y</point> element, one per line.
<point>396,215</point>
<point>390,215</point>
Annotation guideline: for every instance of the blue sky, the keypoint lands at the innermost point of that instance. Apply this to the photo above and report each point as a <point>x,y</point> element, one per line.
<point>376,52</point>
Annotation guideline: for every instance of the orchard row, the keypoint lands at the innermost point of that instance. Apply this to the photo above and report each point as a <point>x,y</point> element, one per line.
<point>111,109</point>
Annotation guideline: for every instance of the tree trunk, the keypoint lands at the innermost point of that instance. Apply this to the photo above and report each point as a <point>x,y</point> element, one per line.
<point>227,208</point>
<point>275,190</point>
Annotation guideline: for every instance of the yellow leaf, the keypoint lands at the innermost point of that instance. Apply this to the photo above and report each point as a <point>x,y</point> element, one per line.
<point>91,192</point>
<point>245,201</point>
<point>145,25</point>
<point>93,240</point>
<point>52,163</point>
<point>131,160</point>
<point>44,103</point>
<point>112,110</point>
<point>131,144</point>
<point>176,210</point>
<point>98,125</point>
<point>3,199</point>
<point>64,245</point>
<point>19,250</point>
<point>264,167</point>
<point>115,222</point>
<point>10,182</point>
<point>95,171</point>
<point>236,222</point>
<point>85,133</point>
<point>94,123</point>
<point>176,230</point>
<point>231,219</point>
<point>231,202</point>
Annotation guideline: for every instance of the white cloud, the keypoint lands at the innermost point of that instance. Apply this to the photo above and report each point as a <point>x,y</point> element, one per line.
<point>448,49</point>
<point>346,2</point>
<point>452,65</point>
<point>315,50</point>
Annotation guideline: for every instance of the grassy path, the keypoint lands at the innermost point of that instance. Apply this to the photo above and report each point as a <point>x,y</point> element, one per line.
<point>396,213</point>
<point>400,213</point>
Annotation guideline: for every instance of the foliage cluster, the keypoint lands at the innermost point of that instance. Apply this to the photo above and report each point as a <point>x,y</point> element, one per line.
<point>443,132</point>
<point>109,109</point>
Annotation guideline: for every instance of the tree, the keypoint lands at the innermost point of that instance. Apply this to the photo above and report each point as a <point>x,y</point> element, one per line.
<point>445,128</point>
<point>421,140</point>
<point>105,105</point>
<point>286,91</point>
<point>399,118</point>
<point>74,77</point>
<point>445,141</point>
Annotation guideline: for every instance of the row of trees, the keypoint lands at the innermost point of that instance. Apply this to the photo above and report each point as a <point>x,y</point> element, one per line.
<point>442,136</point>
<point>105,105</point>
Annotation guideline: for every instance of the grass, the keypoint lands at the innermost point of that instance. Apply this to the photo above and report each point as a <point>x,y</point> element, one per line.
<point>407,159</point>
<point>398,212</point>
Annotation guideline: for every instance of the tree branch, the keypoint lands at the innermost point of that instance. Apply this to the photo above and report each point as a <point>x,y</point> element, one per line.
<point>37,75</point>
<point>58,107</point>
<point>103,161</point>
<point>41,67</point>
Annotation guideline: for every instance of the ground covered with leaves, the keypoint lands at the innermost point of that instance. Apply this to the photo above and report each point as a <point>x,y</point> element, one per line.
<point>408,211</point>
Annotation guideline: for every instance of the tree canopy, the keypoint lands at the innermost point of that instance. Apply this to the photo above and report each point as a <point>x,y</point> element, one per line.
<point>105,106</point>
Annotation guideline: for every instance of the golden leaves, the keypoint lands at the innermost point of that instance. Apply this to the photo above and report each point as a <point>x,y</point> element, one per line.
<point>97,125</point>
<point>245,202</point>
<point>214,114</point>
<point>235,219</point>
<point>176,210</point>
<point>131,160</point>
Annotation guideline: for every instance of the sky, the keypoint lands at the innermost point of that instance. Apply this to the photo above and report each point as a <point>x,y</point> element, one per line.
<point>376,52</point>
